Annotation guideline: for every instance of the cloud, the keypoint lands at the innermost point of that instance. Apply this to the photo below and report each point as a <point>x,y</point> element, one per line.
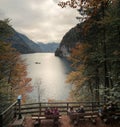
<point>40,20</point>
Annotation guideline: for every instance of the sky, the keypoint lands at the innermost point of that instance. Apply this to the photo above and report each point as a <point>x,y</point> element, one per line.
<point>40,20</point>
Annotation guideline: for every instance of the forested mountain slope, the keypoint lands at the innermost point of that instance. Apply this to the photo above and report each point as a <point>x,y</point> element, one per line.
<point>48,47</point>
<point>18,41</point>
<point>70,39</point>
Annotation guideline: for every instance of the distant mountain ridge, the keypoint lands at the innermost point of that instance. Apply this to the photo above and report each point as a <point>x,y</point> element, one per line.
<point>22,43</point>
<point>34,46</point>
<point>18,41</point>
<point>48,47</point>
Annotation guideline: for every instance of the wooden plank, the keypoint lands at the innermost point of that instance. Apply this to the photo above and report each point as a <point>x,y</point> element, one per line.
<point>84,116</point>
<point>43,117</point>
<point>37,117</point>
<point>91,116</point>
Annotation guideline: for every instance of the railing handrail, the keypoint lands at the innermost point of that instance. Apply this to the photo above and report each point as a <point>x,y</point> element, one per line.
<point>69,102</point>
<point>7,115</point>
<point>8,108</point>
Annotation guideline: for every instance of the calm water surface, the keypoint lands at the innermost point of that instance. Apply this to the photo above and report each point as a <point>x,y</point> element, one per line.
<point>48,76</point>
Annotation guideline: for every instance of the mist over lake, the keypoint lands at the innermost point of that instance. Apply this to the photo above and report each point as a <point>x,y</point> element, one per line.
<point>48,75</point>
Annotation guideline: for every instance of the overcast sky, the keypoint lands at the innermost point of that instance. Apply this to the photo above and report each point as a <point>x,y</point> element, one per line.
<point>40,20</point>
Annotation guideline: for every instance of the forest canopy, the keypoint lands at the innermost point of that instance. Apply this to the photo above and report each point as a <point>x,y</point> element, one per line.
<point>13,74</point>
<point>96,60</point>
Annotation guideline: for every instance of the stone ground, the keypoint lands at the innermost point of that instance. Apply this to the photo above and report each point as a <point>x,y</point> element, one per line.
<point>65,122</point>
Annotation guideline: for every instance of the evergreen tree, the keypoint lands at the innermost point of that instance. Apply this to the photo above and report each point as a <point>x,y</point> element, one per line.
<point>96,60</point>
<point>13,74</point>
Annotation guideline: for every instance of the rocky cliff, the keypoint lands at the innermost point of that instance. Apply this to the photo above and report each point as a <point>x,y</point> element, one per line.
<point>69,40</point>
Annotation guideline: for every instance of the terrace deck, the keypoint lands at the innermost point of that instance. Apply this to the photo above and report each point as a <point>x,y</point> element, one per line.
<point>65,122</point>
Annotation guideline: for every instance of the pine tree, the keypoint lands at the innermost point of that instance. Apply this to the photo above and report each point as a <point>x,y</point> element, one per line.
<point>13,71</point>
<point>96,60</point>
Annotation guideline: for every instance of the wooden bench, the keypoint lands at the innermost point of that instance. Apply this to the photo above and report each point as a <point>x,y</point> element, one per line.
<point>38,119</point>
<point>83,116</point>
<point>18,122</point>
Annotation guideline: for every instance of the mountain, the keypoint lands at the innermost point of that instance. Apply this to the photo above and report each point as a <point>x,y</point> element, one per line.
<point>34,46</point>
<point>18,41</point>
<point>48,47</point>
<point>69,40</point>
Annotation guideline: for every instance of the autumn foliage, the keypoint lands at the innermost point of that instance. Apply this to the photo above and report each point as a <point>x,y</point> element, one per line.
<point>96,60</point>
<point>13,72</point>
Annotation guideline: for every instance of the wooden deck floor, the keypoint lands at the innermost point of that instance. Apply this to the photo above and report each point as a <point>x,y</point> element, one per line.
<point>65,122</point>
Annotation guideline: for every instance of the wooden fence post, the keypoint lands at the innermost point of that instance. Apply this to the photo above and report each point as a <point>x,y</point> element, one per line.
<point>15,110</point>
<point>40,109</point>
<point>1,120</point>
<point>19,108</point>
<point>39,113</point>
<point>67,107</point>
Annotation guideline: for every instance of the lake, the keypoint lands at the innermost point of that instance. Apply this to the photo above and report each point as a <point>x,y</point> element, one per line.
<point>48,74</point>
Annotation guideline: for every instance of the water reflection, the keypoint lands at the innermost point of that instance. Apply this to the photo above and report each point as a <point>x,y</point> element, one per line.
<point>52,72</point>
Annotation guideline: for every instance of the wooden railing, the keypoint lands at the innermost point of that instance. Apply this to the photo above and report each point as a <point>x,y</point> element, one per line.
<point>8,115</point>
<point>39,108</point>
